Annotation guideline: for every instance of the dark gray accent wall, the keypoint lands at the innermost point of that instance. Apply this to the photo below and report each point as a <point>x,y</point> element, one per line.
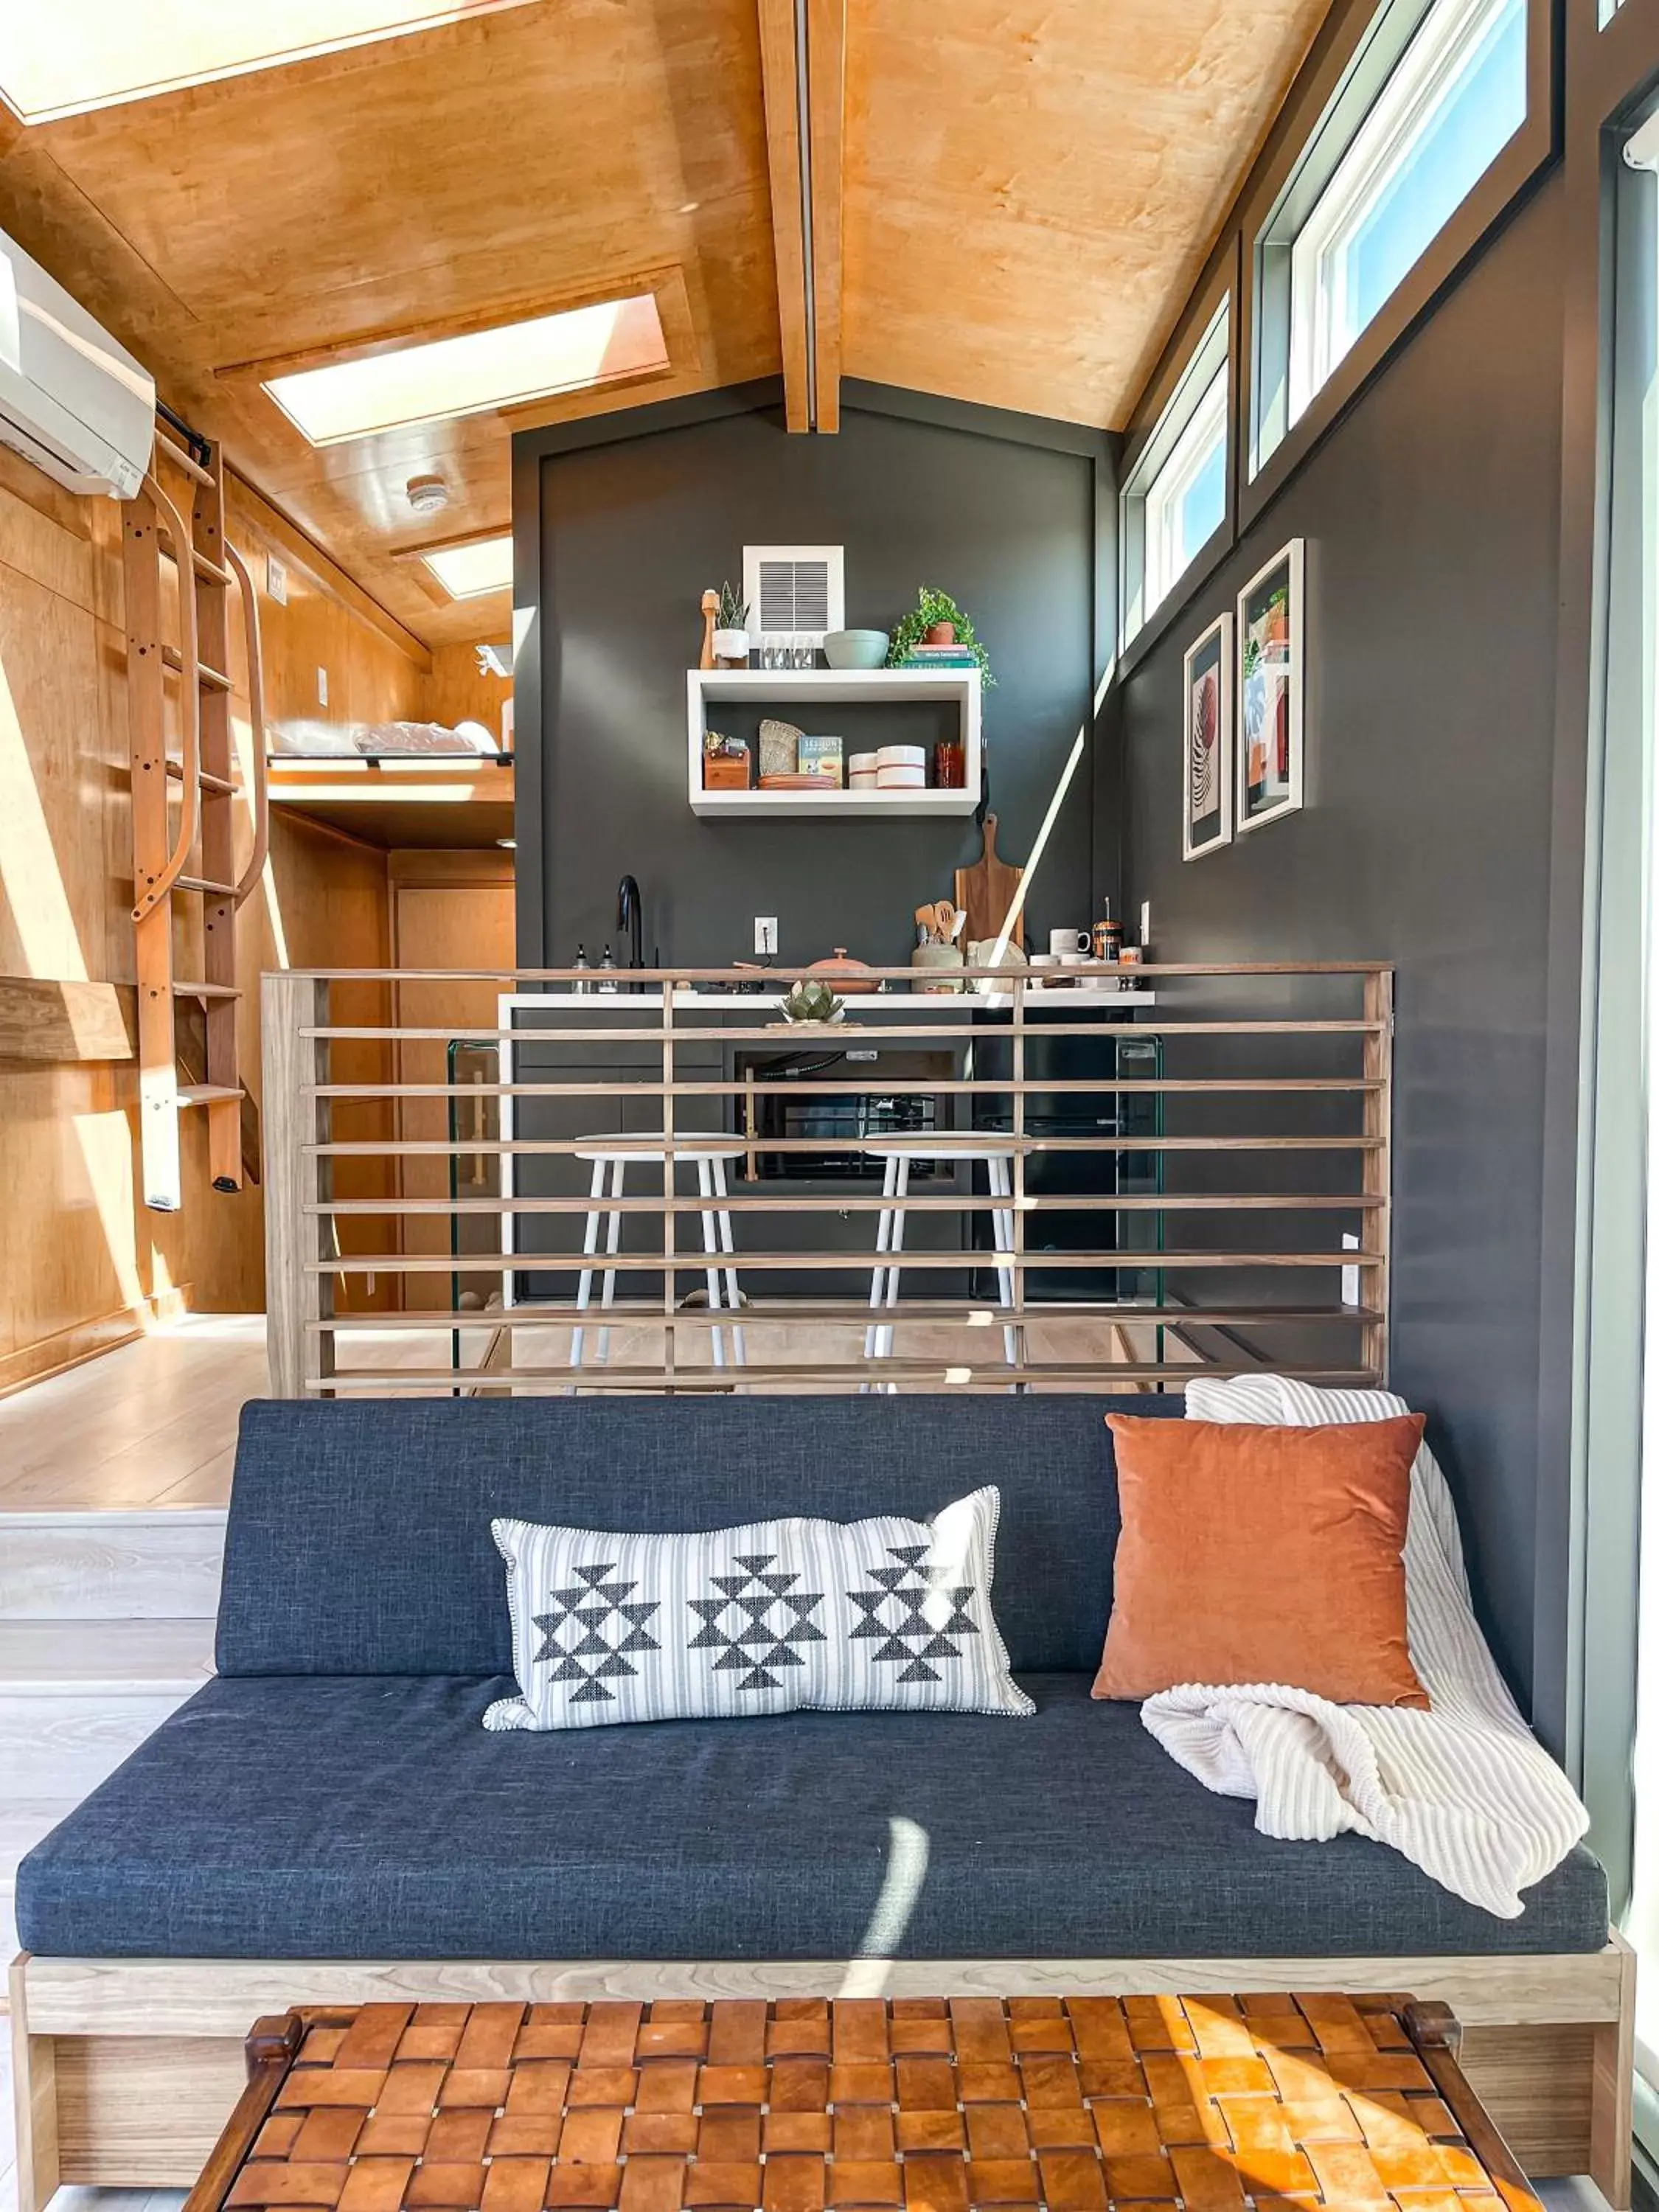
<point>1431,514</point>
<point>630,523</point>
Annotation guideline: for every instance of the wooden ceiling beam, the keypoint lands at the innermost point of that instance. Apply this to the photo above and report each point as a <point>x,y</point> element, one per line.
<point>803,75</point>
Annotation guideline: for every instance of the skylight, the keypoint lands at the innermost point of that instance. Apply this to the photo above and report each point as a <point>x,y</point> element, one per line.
<point>93,53</point>
<point>467,572</point>
<point>515,362</point>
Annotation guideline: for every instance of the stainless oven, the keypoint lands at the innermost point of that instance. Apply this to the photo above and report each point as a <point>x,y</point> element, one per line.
<point>872,1104</point>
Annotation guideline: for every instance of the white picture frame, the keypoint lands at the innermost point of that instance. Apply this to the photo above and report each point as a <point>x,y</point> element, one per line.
<point>758,559</point>
<point>1269,662</point>
<point>1207,696</point>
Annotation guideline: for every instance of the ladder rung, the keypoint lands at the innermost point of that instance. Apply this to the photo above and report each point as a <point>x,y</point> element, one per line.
<point>199,561</point>
<point>207,1094</point>
<point>207,782</point>
<point>213,678</point>
<point>181,990</point>
<point>203,883</point>
<point>170,450</point>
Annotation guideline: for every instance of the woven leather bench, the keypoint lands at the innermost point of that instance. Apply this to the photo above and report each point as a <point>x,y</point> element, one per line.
<point>926,2104</point>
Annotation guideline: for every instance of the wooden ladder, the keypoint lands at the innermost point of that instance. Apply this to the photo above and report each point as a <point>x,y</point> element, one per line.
<point>192,855</point>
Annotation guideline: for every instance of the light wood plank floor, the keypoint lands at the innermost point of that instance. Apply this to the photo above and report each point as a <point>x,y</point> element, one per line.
<point>153,1424</point>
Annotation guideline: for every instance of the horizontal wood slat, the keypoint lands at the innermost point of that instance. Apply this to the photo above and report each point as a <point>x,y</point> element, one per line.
<point>687,1260</point>
<point>988,1372</point>
<point>553,1148</point>
<point>762,1313</point>
<point>841,1202</point>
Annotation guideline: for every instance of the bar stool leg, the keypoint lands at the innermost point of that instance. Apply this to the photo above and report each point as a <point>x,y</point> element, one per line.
<point>711,1248</point>
<point>590,1246</point>
<point>613,1239</point>
<point>723,1220</point>
<point>1002,1227</point>
<point>883,1236</point>
<point>895,1245</point>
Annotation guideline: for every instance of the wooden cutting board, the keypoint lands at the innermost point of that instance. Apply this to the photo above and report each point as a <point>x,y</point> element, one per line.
<point>986,888</point>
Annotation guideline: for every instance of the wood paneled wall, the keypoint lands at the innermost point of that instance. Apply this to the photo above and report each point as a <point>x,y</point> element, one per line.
<point>461,692</point>
<point>82,1262</point>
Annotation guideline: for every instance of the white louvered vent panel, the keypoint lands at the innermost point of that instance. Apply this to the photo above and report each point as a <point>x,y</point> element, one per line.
<point>794,593</point>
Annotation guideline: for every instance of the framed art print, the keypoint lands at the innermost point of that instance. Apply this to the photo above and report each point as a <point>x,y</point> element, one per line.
<point>1206,692</point>
<point>1270,664</point>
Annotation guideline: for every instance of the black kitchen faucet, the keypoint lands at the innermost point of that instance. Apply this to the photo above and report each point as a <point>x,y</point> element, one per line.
<point>630,917</point>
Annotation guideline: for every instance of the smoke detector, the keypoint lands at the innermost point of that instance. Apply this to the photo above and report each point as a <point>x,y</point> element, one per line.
<point>427,495</point>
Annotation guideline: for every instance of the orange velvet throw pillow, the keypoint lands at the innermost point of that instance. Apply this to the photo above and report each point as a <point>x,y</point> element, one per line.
<point>1258,1554</point>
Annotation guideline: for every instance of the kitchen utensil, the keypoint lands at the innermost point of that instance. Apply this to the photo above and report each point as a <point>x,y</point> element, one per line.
<point>986,890</point>
<point>847,973</point>
<point>979,956</point>
<point>855,648</point>
<point>959,924</point>
<point>930,960</point>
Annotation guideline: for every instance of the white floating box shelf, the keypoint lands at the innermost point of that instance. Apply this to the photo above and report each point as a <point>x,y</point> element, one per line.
<point>786,689</point>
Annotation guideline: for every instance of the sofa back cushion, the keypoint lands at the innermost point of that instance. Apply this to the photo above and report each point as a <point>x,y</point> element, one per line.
<point>359,1534</point>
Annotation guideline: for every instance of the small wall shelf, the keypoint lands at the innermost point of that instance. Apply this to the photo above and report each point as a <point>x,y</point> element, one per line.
<point>787,689</point>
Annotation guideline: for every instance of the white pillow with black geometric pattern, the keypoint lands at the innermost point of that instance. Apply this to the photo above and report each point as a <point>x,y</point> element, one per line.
<point>839,1615</point>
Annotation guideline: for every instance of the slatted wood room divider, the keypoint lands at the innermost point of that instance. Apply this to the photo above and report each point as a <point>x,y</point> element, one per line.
<point>1199,1177</point>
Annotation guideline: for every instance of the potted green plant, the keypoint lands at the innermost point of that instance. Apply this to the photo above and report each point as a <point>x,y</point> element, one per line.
<point>936,619</point>
<point>732,630</point>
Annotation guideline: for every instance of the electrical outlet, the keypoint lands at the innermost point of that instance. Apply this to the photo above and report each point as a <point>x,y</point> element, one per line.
<point>1350,1275</point>
<point>276,580</point>
<point>1146,921</point>
<point>322,687</point>
<point>766,933</point>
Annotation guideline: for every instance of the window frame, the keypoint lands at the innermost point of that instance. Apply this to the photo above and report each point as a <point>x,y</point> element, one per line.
<point>1204,348</point>
<point>1345,79</point>
<point>1384,140</point>
<point>1172,484</point>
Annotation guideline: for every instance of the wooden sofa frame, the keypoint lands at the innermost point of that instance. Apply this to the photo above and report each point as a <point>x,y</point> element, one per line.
<point>126,2069</point>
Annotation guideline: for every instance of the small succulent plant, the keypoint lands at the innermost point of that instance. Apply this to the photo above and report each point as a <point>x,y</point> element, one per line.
<point>812,1001</point>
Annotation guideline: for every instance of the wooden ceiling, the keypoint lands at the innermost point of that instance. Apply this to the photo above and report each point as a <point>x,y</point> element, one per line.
<point>1012,199</point>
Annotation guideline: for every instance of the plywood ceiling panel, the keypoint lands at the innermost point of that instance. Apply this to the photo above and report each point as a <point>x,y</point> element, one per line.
<point>1029,188</point>
<point>569,147</point>
<point>1033,185</point>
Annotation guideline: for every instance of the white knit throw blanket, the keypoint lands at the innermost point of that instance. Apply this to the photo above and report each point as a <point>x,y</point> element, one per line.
<point>1462,1791</point>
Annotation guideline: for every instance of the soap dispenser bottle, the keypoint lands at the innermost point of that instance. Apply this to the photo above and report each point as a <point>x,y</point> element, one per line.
<point>583,988</point>
<point>607,971</point>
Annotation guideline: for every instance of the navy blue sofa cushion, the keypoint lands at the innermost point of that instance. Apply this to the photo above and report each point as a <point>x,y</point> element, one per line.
<point>374,1818</point>
<point>359,1535</point>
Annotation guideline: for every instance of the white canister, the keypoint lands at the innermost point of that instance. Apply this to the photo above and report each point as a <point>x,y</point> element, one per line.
<point>904,757</point>
<point>862,771</point>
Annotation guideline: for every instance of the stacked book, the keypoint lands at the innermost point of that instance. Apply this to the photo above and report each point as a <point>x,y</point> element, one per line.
<point>940,656</point>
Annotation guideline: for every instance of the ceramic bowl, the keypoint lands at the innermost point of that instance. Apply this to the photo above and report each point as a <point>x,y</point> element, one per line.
<point>855,648</point>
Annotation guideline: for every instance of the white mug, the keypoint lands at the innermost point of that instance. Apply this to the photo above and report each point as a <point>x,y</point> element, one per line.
<point>1062,941</point>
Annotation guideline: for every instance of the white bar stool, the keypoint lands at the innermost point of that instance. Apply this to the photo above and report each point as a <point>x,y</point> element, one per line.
<point>898,1152</point>
<point>610,1156</point>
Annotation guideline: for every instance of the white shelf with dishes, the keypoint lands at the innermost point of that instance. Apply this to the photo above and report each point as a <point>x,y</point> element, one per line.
<point>788,688</point>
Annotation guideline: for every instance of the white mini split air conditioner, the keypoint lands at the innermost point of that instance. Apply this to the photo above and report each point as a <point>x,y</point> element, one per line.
<point>71,400</point>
